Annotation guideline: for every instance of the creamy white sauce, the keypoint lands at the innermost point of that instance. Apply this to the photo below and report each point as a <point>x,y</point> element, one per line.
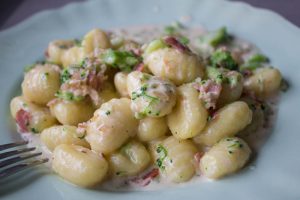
<point>146,34</point>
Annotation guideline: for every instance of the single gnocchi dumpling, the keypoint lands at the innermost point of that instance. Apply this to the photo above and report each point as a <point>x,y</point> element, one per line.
<point>151,128</point>
<point>94,39</point>
<point>264,82</point>
<point>31,117</point>
<point>130,160</point>
<point>225,157</point>
<point>189,116</point>
<point>226,122</point>
<point>120,81</point>
<point>258,117</point>
<point>41,83</point>
<point>72,56</point>
<point>111,126</point>
<point>168,62</point>
<point>150,95</point>
<point>72,112</point>
<point>57,48</point>
<point>79,165</point>
<point>107,93</point>
<point>175,159</point>
<point>62,134</point>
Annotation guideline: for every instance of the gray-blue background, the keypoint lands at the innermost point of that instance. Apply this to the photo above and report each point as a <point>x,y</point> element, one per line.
<point>14,11</point>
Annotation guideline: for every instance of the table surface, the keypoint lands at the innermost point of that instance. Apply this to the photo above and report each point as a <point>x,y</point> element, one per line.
<point>15,11</point>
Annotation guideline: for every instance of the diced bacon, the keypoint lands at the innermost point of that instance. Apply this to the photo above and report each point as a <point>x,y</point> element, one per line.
<point>140,67</point>
<point>53,101</point>
<point>173,42</point>
<point>209,92</point>
<point>146,179</point>
<point>198,156</point>
<point>81,128</point>
<point>22,119</point>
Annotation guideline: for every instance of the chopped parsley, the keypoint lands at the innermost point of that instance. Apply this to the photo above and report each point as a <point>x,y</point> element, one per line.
<point>222,58</point>
<point>235,144</point>
<point>65,75</point>
<point>69,96</point>
<point>163,154</point>
<point>148,110</point>
<point>121,173</point>
<point>108,112</point>
<point>34,130</point>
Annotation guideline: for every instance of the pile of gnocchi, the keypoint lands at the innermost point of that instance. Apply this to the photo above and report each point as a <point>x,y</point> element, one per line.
<point>167,109</point>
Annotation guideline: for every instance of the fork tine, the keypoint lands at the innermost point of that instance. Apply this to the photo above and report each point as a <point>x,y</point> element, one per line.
<point>20,167</point>
<point>18,159</point>
<point>11,145</point>
<point>15,152</point>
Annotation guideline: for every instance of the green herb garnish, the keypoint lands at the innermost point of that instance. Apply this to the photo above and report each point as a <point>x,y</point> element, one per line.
<point>69,96</point>
<point>65,75</point>
<point>34,130</point>
<point>107,112</point>
<point>163,154</point>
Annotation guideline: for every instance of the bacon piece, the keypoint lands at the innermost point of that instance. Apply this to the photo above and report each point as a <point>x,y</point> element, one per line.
<point>140,67</point>
<point>173,42</point>
<point>146,179</point>
<point>198,156</point>
<point>209,92</point>
<point>22,119</point>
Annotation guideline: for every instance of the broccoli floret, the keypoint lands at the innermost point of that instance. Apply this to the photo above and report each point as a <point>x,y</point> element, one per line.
<point>223,58</point>
<point>215,38</point>
<point>254,62</point>
<point>124,60</point>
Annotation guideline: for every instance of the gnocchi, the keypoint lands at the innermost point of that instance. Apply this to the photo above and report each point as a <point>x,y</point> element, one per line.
<point>79,165</point>
<point>31,117</point>
<point>151,128</point>
<point>131,108</point>
<point>131,159</point>
<point>264,82</point>
<point>62,134</point>
<point>150,95</point>
<point>72,112</point>
<point>111,126</point>
<point>174,65</point>
<point>225,157</point>
<point>41,83</point>
<point>189,116</point>
<point>225,123</point>
<point>175,158</point>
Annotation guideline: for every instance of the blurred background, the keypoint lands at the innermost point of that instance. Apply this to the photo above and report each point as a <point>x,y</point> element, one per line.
<point>15,11</point>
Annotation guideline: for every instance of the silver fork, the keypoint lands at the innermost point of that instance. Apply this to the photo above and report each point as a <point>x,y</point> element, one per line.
<point>12,155</point>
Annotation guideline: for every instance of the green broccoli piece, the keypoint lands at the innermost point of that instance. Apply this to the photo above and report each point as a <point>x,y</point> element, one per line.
<point>124,60</point>
<point>223,58</point>
<point>215,38</point>
<point>254,62</point>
